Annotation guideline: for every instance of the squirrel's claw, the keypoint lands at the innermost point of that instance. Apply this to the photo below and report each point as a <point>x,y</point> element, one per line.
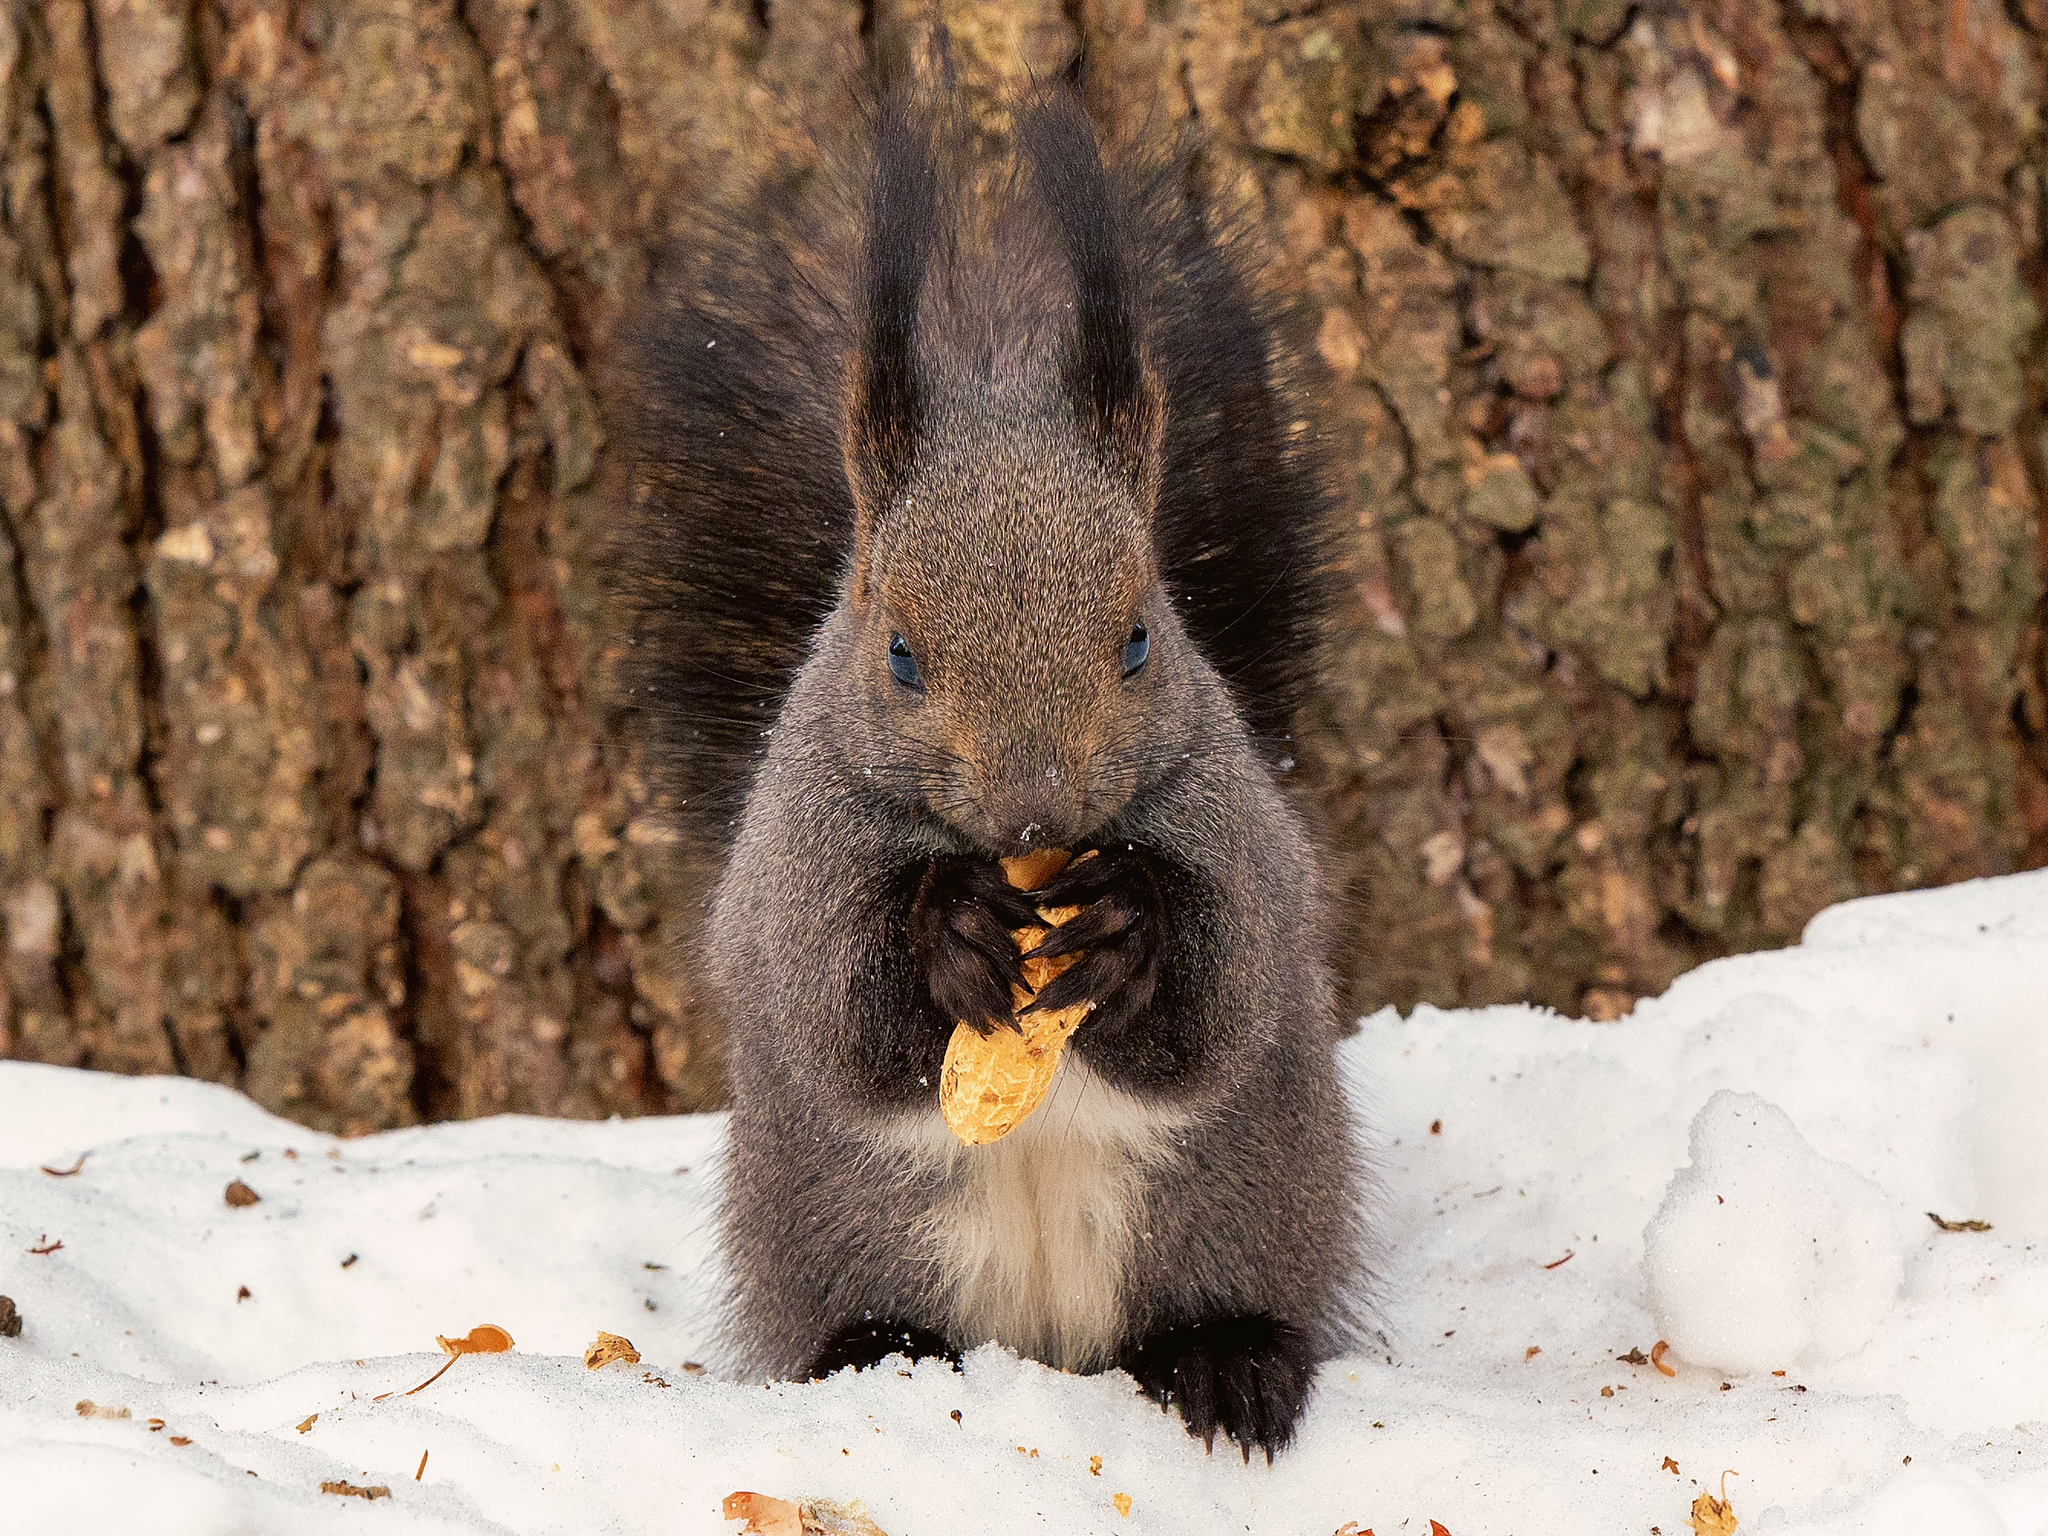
<point>1086,881</point>
<point>1121,937</point>
<point>1118,975</point>
<point>1246,1376</point>
<point>1108,919</point>
<point>960,928</point>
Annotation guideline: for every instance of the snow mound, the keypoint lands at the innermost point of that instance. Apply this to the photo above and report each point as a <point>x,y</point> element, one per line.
<point>1946,1500</point>
<point>1764,1254</point>
<point>1530,1226</point>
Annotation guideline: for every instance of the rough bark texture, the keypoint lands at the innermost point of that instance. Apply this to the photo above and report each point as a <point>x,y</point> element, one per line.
<point>1689,374</point>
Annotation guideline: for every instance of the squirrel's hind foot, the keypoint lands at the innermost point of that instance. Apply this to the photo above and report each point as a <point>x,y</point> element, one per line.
<point>1248,1376</point>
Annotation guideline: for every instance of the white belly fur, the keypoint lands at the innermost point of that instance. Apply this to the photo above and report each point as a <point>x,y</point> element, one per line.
<point>1033,1233</point>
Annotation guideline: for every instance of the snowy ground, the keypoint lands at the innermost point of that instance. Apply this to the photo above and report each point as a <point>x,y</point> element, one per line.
<point>1898,1061</point>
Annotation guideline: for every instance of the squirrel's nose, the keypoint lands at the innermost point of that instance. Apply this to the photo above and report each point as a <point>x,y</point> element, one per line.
<point>1045,809</point>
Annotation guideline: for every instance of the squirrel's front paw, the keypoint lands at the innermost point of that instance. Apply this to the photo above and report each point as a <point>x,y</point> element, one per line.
<point>1248,1376</point>
<point>1123,931</point>
<point>960,925</point>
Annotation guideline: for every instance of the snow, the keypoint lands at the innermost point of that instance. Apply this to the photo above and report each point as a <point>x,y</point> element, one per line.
<point>1764,1252</point>
<point>1545,1212</point>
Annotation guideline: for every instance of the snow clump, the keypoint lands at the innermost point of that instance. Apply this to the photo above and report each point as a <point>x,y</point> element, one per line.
<point>1764,1254</point>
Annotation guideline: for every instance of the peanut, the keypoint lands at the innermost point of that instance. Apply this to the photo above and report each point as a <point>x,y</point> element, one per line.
<point>990,1085</point>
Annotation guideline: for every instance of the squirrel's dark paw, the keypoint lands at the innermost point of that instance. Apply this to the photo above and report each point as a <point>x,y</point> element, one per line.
<point>1248,1376</point>
<point>871,1341</point>
<point>1123,931</point>
<point>960,927</point>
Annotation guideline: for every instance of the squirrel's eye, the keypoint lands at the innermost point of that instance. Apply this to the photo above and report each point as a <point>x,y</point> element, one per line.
<point>903,665</point>
<point>1135,652</point>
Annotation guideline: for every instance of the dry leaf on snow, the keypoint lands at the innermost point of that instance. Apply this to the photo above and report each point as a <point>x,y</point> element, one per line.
<point>350,1490</point>
<point>769,1516</point>
<point>610,1347</point>
<point>1941,1222</point>
<point>1712,1516</point>
<point>765,1515</point>
<point>483,1339</point>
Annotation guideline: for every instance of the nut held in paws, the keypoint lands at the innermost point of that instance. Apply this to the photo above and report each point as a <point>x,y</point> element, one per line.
<point>989,1086</point>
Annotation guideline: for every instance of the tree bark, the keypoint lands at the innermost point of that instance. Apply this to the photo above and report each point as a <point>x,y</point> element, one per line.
<point>1688,375</point>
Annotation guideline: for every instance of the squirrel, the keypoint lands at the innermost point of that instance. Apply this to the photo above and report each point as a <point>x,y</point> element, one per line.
<point>975,509</point>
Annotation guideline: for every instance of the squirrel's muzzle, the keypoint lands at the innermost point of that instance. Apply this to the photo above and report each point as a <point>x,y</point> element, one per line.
<point>1046,807</point>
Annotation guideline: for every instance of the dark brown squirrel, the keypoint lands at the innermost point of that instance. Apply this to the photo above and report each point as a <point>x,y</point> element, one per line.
<point>975,512</point>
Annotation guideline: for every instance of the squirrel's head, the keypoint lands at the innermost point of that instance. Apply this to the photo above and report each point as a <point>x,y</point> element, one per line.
<point>1006,649</point>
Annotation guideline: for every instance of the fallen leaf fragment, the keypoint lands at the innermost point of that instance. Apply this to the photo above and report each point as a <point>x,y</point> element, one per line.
<point>10,1319</point>
<point>769,1516</point>
<point>1095,1466</point>
<point>1657,1358</point>
<point>609,1347</point>
<point>1946,1226</point>
<point>1569,1255</point>
<point>350,1490</point>
<point>765,1516</point>
<point>1352,1528</point>
<point>1634,1357</point>
<point>65,1173</point>
<point>1122,1501</point>
<point>1532,1351</point>
<point>1669,1466</point>
<point>1437,1528</point>
<point>88,1409</point>
<point>423,1467</point>
<point>1712,1516</point>
<point>483,1339</point>
<point>181,1439</point>
<point>239,1195</point>
<point>829,1517</point>
<point>155,1425</point>
<point>307,1422</point>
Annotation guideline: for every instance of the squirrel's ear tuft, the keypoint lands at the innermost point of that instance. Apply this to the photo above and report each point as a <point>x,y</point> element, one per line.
<point>1114,395</point>
<point>885,399</point>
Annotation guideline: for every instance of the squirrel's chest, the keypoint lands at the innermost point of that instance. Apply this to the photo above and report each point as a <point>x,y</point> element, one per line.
<point>1033,1235</point>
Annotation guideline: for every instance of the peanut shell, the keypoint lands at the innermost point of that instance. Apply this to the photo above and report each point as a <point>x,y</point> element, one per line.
<point>989,1086</point>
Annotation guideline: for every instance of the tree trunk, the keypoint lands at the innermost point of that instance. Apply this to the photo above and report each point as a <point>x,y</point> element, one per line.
<point>1688,373</point>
